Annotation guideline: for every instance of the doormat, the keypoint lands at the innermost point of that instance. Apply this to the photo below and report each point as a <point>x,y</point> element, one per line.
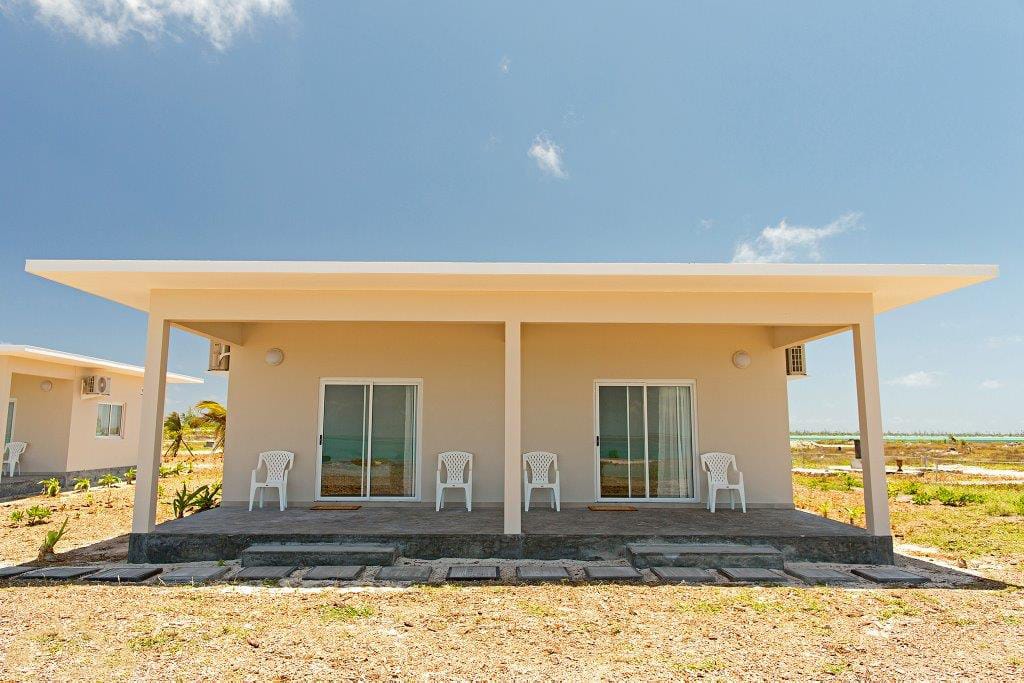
<point>334,506</point>
<point>611,508</point>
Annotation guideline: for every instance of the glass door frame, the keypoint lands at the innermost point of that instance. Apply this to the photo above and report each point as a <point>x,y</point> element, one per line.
<point>417,453</point>
<point>644,383</point>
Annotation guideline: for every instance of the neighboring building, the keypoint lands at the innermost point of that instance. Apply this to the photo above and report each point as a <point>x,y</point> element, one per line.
<point>79,415</point>
<point>627,371</point>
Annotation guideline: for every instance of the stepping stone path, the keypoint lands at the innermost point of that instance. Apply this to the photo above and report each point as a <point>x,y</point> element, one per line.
<point>889,574</point>
<point>612,573</point>
<point>754,575</point>
<point>542,573</point>
<point>258,573</point>
<point>684,574</point>
<point>58,573</point>
<point>472,572</point>
<point>184,575</point>
<point>11,572</point>
<point>820,575</point>
<point>124,574</point>
<point>409,573</point>
<point>334,573</point>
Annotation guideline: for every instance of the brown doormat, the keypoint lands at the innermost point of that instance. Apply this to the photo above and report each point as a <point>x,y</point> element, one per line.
<point>334,506</point>
<point>611,508</point>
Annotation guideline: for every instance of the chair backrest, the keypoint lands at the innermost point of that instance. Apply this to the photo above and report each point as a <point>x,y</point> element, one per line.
<point>276,462</point>
<point>539,463</point>
<point>15,449</point>
<point>455,464</point>
<point>717,466</point>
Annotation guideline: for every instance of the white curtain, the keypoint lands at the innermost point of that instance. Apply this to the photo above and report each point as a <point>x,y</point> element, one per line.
<point>672,436</point>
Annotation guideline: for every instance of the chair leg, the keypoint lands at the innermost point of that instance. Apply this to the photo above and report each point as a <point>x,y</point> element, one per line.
<point>552,498</point>
<point>469,498</point>
<point>711,499</point>
<point>743,500</point>
<point>280,497</point>
<point>732,499</point>
<point>558,498</point>
<point>526,498</point>
<point>252,495</point>
<point>262,489</point>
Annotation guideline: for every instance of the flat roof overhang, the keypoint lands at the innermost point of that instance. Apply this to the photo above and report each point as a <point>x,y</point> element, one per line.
<point>37,353</point>
<point>131,282</point>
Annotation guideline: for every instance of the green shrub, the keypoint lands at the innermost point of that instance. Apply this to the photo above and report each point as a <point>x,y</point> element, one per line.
<point>51,487</point>
<point>957,499</point>
<point>82,483</point>
<point>922,498</point>
<point>172,470</point>
<point>1000,509</point>
<point>130,474</point>
<point>108,480</point>
<point>17,516</point>
<point>37,514</point>
<point>202,498</point>
<point>50,540</point>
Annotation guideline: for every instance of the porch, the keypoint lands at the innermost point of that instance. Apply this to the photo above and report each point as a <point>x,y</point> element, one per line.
<point>574,533</point>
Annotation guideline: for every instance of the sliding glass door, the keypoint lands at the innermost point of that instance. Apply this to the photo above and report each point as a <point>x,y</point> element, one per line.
<point>645,441</point>
<point>369,439</point>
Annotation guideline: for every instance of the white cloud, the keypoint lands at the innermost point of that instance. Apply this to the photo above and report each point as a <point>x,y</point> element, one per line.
<point>921,378</point>
<point>505,65</point>
<point>109,22</point>
<point>785,242</point>
<point>548,156</point>
<point>706,224</point>
<point>991,384</point>
<point>1003,341</point>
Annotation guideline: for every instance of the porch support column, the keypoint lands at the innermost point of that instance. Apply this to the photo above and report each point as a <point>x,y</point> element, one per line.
<point>513,427</point>
<point>5,399</point>
<point>872,446</point>
<point>151,425</point>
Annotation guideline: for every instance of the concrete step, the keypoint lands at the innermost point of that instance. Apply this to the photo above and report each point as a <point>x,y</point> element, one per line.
<point>319,554</point>
<point>704,555</point>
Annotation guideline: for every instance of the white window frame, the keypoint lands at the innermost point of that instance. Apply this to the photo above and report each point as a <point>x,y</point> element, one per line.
<point>12,410</point>
<point>418,453</point>
<point>692,384</point>
<point>120,435</point>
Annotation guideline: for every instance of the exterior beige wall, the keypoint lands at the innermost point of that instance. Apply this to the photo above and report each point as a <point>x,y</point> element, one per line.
<point>744,412</point>
<point>461,366</point>
<point>276,407</point>
<point>42,420</point>
<point>88,452</point>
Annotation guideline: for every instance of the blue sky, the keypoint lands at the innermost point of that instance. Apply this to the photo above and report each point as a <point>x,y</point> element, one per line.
<point>865,132</point>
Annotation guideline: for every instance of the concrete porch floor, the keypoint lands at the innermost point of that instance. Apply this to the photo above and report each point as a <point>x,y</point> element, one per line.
<point>573,533</point>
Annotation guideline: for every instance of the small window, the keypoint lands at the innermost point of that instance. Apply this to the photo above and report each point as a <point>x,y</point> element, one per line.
<point>109,417</point>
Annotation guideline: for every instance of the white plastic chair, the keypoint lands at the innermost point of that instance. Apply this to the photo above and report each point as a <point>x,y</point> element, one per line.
<point>277,463</point>
<point>717,465</point>
<point>12,455</point>
<point>537,466</point>
<point>458,474</point>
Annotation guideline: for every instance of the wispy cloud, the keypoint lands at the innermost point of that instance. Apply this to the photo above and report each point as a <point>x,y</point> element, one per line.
<point>999,342</point>
<point>991,384</point>
<point>548,156</point>
<point>921,378</point>
<point>505,65</point>
<point>110,22</point>
<point>705,225</point>
<point>785,242</point>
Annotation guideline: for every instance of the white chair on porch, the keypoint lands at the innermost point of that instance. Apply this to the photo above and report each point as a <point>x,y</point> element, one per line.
<point>277,464</point>
<point>717,465</point>
<point>458,474</point>
<point>537,467</point>
<point>12,456</point>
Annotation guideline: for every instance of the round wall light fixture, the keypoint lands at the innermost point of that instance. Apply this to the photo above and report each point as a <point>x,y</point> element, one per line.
<point>46,385</point>
<point>741,359</point>
<point>275,356</point>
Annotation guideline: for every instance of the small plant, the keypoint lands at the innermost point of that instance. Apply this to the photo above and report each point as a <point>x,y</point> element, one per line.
<point>37,514</point>
<point>130,474</point>
<point>17,516</point>
<point>824,508</point>
<point>50,540</point>
<point>108,480</point>
<point>172,470</point>
<point>202,498</point>
<point>51,487</point>
<point>82,483</point>
<point>206,497</point>
<point>89,500</point>
<point>999,509</point>
<point>921,498</point>
<point>954,499</point>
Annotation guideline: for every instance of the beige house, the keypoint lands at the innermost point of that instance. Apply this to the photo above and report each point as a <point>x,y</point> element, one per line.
<point>366,371</point>
<point>79,415</point>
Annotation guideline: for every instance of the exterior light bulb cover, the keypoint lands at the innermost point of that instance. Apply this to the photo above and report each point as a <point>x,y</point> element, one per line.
<point>46,385</point>
<point>274,356</point>
<point>741,359</point>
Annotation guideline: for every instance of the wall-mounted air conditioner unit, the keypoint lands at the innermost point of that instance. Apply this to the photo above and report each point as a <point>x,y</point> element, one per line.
<point>220,357</point>
<point>95,385</point>
<point>796,361</point>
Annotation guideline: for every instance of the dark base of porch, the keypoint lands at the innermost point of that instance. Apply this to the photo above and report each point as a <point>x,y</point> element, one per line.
<point>573,533</point>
